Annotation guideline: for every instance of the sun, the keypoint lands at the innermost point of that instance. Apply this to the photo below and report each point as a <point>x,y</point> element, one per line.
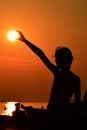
<point>12,35</point>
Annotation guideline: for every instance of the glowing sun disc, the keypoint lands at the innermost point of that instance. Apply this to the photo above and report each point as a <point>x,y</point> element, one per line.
<point>12,35</point>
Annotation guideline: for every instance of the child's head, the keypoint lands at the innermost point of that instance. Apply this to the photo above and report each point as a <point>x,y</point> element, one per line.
<point>63,58</point>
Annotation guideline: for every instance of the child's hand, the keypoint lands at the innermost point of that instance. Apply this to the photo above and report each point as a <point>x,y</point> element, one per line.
<point>21,36</point>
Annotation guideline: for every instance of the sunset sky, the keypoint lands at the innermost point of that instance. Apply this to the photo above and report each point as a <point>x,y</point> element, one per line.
<point>48,24</point>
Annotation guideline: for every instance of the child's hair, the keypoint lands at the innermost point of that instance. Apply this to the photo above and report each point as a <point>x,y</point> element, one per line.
<point>63,57</point>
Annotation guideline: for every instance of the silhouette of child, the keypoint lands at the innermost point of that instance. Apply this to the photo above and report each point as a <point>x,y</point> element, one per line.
<point>65,82</point>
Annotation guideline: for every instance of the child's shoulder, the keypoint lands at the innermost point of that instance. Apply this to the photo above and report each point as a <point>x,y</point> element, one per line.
<point>74,75</point>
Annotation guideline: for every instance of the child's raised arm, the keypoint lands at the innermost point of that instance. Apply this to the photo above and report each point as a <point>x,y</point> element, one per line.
<point>38,52</point>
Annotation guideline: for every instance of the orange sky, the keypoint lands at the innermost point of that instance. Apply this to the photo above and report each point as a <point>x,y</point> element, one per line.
<point>48,24</point>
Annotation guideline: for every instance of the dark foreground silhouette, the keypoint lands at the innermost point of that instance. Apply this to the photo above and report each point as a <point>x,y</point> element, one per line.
<point>27,119</point>
<point>35,118</point>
